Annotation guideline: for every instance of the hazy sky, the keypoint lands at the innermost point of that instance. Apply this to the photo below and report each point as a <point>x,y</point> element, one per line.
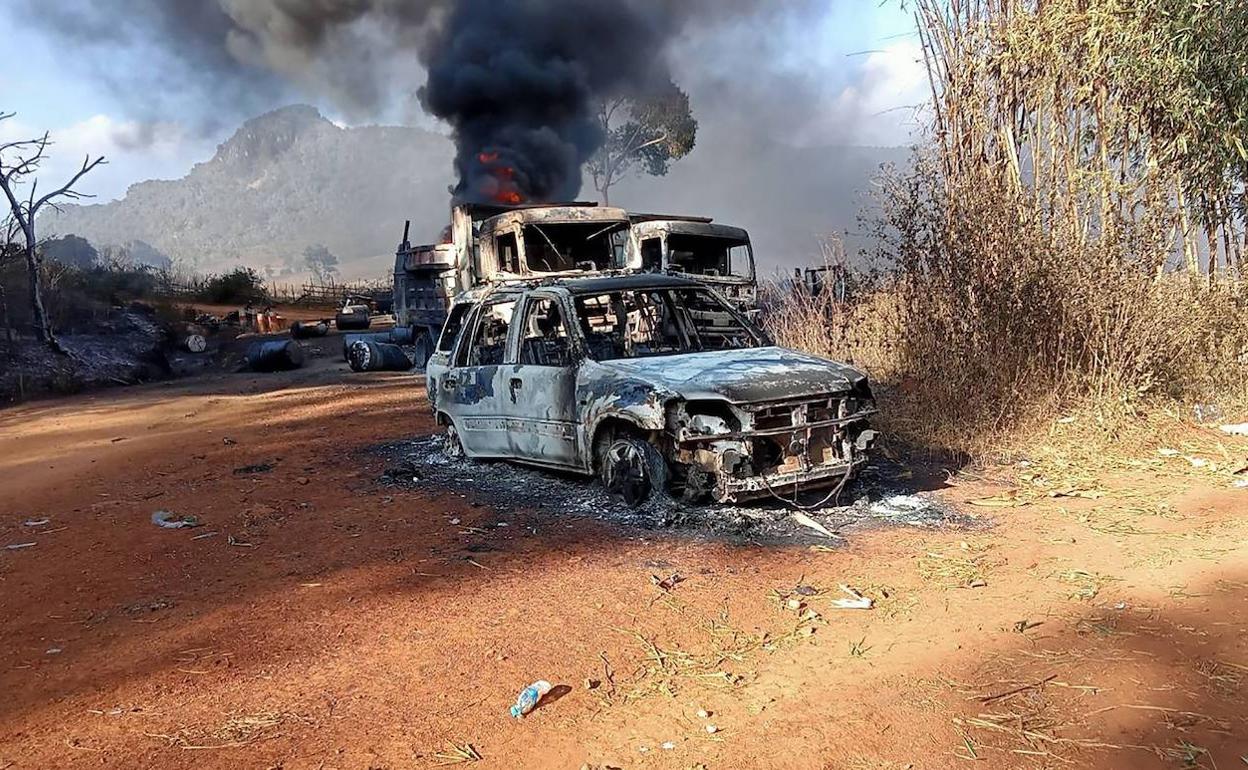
<point>846,74</point>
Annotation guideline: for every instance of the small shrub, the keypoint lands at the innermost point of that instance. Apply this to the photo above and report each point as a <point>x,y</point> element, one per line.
<point>239,286</point>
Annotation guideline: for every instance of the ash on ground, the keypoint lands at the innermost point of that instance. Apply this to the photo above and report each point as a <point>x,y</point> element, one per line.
<point>885,494</point>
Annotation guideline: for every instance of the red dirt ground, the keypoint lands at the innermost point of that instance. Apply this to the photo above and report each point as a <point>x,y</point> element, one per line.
<point>334,622</point>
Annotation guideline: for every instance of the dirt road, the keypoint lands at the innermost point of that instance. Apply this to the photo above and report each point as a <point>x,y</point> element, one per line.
<point>320,618</point>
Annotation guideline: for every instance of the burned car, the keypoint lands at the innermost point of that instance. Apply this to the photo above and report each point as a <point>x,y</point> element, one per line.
<point>653,382</point>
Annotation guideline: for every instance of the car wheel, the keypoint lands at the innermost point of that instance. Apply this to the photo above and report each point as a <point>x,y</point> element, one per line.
<point>451,445</point>
<point>634,469</point>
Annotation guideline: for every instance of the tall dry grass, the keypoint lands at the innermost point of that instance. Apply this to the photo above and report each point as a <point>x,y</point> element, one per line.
<point>1069,237</point>
<point>983,327</point>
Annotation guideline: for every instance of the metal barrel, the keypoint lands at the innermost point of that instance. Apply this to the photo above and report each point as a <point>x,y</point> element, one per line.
<point>350,339</point>
<point>275,356</point>
<point>399,335</point>
<point>345,321</point>
<point>369,356</point>
<point>402,335</point>
<point>304,329</point>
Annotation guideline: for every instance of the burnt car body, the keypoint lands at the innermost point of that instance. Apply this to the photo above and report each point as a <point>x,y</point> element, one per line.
<point>655,382</point>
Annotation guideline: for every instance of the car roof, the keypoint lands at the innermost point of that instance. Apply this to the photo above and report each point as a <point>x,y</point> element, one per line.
<point>604,284</point>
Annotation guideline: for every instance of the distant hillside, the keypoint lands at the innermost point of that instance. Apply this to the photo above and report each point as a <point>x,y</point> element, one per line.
<point>290,179</point>
<point>285,180</point>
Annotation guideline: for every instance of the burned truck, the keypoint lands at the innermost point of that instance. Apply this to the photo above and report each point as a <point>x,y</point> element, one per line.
<point>720,256</point>
<point>624,376</point>
<point>497,244</point>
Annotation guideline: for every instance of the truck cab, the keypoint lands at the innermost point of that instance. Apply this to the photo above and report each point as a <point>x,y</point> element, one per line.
<point>717,255</point>
<point>546,241</point>
<point>488,244</point>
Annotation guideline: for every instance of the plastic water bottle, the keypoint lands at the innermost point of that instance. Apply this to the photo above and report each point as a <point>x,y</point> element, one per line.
<point>529,697</point>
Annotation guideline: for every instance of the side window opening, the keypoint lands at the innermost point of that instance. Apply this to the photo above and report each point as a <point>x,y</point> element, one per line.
<point>630,324</point>
<point>489,336</point>
<point>740,265</point>
<point>450,329</point>
<point>652,255</point>
<point>545,340</point>
<point>508,254</point>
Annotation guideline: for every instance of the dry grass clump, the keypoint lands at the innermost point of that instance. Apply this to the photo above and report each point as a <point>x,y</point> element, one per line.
<point>988,355</point>
<point>964,568</point>
<point>236,730</point>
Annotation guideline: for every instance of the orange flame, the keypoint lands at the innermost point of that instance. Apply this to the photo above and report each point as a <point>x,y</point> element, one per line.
<point>500,184</point>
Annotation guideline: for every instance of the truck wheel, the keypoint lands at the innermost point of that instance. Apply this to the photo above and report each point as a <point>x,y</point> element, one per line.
<point>423,349</point>
<point>635,469</point>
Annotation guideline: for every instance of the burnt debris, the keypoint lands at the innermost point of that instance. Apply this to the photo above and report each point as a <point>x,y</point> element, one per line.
<point>884,496</point>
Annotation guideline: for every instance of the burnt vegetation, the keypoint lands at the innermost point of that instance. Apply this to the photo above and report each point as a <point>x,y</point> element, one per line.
<point>19,164</point>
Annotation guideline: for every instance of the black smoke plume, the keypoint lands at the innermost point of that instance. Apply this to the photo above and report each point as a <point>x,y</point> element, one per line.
<point>520,82</point>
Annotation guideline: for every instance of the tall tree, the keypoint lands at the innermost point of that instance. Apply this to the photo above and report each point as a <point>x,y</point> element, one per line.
<point>27,155</point>
<point>321,261</point>
<point>643,134</point>
<point>71,250</point>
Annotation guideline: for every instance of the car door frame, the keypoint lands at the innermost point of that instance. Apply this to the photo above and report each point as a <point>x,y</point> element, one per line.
<point>471,396</point>
<point>439,362</point>
<point>541,401</point>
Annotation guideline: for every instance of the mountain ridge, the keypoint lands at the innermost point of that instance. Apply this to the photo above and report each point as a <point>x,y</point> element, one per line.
<point>291,178</point>
<point>283,181</point>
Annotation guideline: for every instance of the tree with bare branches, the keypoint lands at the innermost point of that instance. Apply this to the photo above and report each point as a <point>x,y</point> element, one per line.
<point>27,155</point>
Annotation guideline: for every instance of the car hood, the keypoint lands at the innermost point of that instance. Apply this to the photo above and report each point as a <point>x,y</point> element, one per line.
<point>742,376</point>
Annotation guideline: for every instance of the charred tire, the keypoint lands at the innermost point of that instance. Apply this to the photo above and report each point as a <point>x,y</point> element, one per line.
<point>452,446</point>
<point>423,349</point>
<point>634,469</point>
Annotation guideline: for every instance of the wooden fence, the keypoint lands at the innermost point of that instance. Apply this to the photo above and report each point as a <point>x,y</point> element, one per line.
<point>325,294</point>
<point>330,294</point>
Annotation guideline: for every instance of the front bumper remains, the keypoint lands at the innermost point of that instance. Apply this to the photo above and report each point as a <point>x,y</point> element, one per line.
<point>754,464</point>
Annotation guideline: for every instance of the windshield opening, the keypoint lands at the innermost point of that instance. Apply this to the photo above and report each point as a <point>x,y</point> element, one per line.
<point>659,322</point>
<point>557,247</point>
<point>709,256</point>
